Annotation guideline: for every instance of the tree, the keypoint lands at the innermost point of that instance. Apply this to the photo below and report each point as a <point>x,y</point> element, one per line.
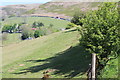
<point>40,24</point>
<point>5,28</point>
<point>37,24</point>
<point>26,33</point>
<point>77,18</point>
<point>34,25</point>
<point>100,32</point>
<point>9,28</point>
<point>37,34</point>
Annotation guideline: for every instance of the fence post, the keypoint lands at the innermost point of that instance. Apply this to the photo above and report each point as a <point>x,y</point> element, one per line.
<point>93,66</point>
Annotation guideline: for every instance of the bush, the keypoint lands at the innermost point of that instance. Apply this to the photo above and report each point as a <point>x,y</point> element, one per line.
<point>24,36</point>
<point>37,34</point>
<point>51,25</point>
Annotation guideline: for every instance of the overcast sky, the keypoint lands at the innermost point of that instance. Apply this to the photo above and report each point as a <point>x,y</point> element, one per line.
<point>12,2</point>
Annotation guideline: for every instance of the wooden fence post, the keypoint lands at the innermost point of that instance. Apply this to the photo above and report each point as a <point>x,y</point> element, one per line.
<point>93,66</point>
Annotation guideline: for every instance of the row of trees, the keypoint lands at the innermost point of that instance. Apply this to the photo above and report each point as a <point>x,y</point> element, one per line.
<point>36,30</point>
<point>27,32</point>
<point>16,27</point>
<point>101,32</point>
<point>9,28</point>
<point>12,28</point>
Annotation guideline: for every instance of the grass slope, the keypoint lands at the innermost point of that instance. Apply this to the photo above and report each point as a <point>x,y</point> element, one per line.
<point>12,38</point>
<point>58,52</point>
<point>45,20</point>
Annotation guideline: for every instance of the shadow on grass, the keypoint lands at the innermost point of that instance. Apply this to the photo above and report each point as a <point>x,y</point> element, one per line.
<point>73,61</point>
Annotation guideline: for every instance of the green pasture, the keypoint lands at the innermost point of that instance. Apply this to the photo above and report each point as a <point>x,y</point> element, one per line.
<point>57,23</point>
<point>12,38</point>
<point>59,52</point>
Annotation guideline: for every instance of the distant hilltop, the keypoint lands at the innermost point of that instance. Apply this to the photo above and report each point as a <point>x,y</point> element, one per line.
<point>53,9</point>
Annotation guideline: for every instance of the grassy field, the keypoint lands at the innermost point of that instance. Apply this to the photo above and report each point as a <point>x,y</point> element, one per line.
<point>46,20</point>
<point>12,38</point>
<point>58,52</point>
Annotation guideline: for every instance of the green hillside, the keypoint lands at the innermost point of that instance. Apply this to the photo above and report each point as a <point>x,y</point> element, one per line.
<point>57,23</point>
<point>58,52</point>
<point>69,8</point>
<point>50,8</point>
